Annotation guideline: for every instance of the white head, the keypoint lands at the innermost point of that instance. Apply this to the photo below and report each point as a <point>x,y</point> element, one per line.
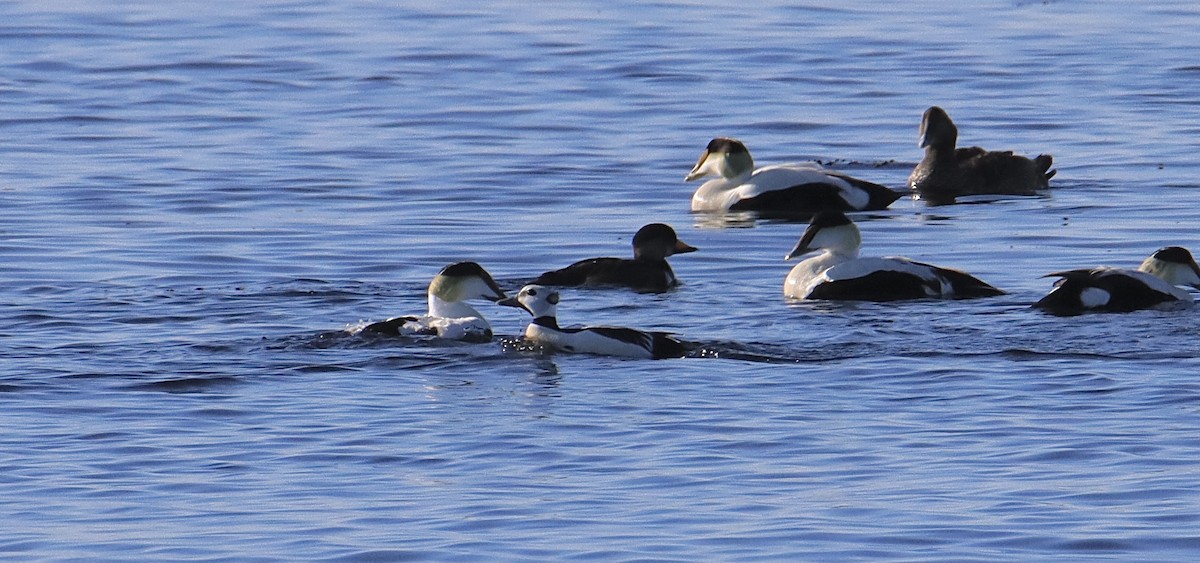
<point>723,157</point>
<point>1174,265</point>
<point>539,301</point>
<point>831,231</point>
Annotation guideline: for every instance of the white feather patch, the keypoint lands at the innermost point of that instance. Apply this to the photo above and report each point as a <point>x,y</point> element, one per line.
<point>1093,297</point>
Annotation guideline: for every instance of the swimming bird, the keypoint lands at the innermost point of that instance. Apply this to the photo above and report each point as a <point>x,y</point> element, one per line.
<point>448,316</point>
<point>838,273</point>
<point>946,172</point>
<point>1114,290</point>
<point>647,271</point>
<point>781,188</point>
<point>542,303</point>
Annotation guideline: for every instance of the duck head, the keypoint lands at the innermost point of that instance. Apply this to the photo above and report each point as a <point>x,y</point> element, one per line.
<point>462,281</point>
<point>830,230</point>
<point>657,241</point>
<point>1175,265</point>
<point>723,157</point>
<point>937,130</point>
<point>539,301</point>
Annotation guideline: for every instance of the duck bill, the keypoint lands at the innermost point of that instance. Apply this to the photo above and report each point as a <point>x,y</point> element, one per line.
<point>683,248</point>
<point>802,247</point>
<point>699,169</point>
<point>510,302</point>
<point>800,250</point>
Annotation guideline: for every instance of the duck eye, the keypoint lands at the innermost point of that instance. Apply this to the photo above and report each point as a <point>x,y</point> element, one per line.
<point>531,292</point>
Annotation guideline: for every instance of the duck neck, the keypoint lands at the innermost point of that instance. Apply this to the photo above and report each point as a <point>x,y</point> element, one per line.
<point>832,257</point>
<point>439,307</point>
<point>942,152</point>
<point>652,256</point>
<point>738,178</point>
<point>546,321</point>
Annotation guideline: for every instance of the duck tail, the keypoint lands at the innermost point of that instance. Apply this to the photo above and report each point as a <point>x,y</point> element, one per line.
<point>665,346</point>
<point>1044,162</point>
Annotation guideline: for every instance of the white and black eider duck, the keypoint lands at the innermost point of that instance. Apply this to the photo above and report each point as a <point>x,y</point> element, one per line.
<point>778,189</point>
<point>646,271</point>
<point>1114,290</point>
<point>448,316</point>
<point>542,303</point>
<point>947,172</point>
<point>837,273</point>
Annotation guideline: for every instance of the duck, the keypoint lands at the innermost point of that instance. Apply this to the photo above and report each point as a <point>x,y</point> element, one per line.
<point>837,273</point>
<point>542,303</point>
<point>801,188</point>
<point>449,316</point>
<point>1154,285</point>
<point>648,270</point>
<point>946,172</point>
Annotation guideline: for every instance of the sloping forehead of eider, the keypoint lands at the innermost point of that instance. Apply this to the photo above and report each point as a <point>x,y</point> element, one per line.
<point>464,280</point>
<point>827,219</point>
<point>463,269</point>
<point>829,229</point>
<point>725,145</point>
<point>1175,254</point>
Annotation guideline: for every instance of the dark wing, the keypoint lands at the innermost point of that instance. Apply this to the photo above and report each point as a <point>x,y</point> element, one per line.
<point>1000,172</point>
<point>801,198</point>
<point>1064,300</point>
<point>895,285</point>
<point>666,346</point>
<point>660,344</point>
<point>964,285</point>
<point>1126,293</point>
<point>575,274</point>
<point>391,327</point>
<point>642,275</point>
<point>880,196</point>
<point>880,285</point>
<point>629,335</point>
<point>964,154</point>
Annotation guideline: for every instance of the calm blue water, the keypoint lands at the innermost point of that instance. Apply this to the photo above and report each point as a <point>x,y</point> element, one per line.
<point>196,198</point>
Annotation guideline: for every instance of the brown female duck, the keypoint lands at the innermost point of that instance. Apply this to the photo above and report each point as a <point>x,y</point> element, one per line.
<point>947,172</point>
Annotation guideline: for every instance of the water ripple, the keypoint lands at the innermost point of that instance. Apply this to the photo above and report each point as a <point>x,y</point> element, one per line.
<point>202,205</point>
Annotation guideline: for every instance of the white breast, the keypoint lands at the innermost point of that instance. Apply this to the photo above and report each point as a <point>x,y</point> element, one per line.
<point>455,328</point>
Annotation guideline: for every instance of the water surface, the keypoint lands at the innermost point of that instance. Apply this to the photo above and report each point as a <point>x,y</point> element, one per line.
<point>199,199</point>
